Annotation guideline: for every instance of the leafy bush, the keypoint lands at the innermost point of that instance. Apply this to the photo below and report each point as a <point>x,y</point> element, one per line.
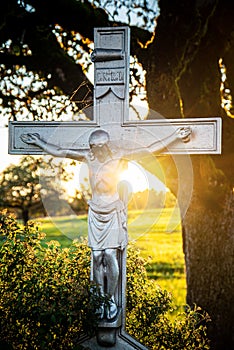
<point>44,292</point>
<point>46,303</point>
<point>148,308</point>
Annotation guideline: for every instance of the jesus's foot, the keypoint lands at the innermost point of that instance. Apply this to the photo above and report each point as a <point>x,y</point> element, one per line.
<point>100,311</point>
<point>111,310</point>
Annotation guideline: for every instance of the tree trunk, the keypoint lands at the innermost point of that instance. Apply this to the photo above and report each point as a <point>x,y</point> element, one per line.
<point>25,216</point>
<point>209,254</point>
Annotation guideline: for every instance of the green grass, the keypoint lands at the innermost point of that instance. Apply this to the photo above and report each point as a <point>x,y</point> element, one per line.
<point>161,242</point>
<point>157,233</point>
<point>64,229</point>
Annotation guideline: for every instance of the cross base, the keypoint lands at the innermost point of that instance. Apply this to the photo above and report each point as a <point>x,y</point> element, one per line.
<point>106,333</point>
<point>111,334</point>
<point>122,341</point>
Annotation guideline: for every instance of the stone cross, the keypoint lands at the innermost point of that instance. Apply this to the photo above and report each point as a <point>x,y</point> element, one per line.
<point>103,143</point>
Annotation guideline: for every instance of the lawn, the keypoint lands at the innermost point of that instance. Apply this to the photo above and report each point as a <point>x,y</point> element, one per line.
<point>157,233</point>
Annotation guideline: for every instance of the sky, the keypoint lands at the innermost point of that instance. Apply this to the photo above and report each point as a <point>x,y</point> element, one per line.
<point>6,159</point>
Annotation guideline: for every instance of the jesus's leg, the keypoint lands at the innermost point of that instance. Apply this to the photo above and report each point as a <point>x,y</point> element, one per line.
<point>98,275</point>
<point>112,275</point>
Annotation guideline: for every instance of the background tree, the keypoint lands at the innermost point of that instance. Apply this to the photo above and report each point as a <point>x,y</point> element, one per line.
<point>79,201</point>
<point>151,199</point>
<point>46,45</point>
<point>23,190</point>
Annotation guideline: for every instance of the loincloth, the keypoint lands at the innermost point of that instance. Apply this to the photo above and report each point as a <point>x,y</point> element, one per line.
<point>107,227</point>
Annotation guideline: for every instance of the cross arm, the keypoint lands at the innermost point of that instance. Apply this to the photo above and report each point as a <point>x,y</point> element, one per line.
<point>70,139</point>
<point>159,146</point>
<point>161,135</point>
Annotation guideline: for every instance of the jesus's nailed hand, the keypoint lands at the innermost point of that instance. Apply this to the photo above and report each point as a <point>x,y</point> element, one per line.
<point>184,133</point>
<point>30,138</point>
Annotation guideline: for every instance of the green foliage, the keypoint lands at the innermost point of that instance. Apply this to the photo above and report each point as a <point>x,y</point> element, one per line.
<point>25,185</point>
<point>44,292</point>
<point>46,303</point>
<point>20,187</point>
<point>148,308</point>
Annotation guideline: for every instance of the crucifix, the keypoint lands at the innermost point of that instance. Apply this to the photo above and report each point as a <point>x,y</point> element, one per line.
<point>106,143</point>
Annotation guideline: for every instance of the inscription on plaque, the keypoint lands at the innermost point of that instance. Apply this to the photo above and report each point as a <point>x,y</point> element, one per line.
<point>106,76</point>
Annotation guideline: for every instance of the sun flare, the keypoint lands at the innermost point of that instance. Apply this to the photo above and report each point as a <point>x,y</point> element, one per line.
<point>136,177</point>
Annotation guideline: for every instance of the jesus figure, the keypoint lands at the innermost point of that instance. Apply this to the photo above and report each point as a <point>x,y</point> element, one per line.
<point>107,222</point>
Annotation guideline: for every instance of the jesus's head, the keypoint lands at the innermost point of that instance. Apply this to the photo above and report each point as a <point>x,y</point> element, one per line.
<point>98,142</point>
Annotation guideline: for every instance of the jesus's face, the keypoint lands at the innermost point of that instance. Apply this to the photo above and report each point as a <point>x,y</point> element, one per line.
<point>100,151</point>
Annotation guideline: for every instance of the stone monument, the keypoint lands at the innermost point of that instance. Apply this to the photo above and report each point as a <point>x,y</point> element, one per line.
<point>105,144</point>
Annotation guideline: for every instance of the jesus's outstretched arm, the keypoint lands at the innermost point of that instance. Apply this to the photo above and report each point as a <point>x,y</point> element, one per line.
<point>181,134</point>
<point>54,150</point>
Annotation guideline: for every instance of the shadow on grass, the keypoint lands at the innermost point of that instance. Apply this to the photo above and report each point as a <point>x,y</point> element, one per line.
<point>165,270</point>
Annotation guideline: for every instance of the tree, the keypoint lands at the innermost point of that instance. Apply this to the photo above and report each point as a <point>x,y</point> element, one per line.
<point>191,38</point>
<point>147,199</point>
<point>79,201</point>
<point>22,188</point>
<point>184,58</point>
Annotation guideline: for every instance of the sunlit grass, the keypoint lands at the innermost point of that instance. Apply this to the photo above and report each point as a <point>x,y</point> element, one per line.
<point>64,229</point>
<point>157,233</point>
<point>161,244</point>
